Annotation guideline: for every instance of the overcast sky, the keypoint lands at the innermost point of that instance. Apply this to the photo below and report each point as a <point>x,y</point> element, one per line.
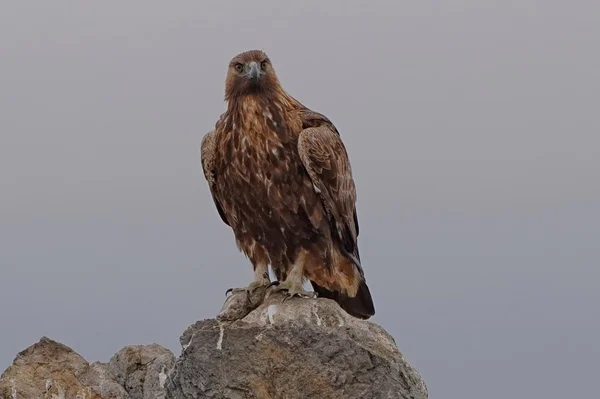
<point>473,132</point>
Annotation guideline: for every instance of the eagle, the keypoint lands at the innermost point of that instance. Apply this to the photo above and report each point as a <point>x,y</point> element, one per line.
<point>280,178</point>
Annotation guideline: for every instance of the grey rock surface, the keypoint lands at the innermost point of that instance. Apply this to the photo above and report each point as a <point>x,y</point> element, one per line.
<point>49,369</point>
<point>300,348</point>
<point>99,383</point>
<point>142,370</point>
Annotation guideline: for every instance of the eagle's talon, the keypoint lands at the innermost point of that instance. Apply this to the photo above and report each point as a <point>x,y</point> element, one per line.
<point>273,283</point>
<point>299,294</point>
<point>235,290</point>
<point>252,287</point>
<point>291,289</point>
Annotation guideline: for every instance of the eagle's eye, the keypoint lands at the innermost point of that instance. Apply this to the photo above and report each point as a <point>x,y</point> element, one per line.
<point>263,65</point>
<point>239,67</point>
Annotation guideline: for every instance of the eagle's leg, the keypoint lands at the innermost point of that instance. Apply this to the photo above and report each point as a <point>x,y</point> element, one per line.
<point>261,280</point>
<point>243,300</point>
<point>293,282</point>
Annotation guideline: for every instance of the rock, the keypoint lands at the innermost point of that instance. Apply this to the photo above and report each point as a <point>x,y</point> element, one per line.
<point>300,348</point>
<point>49,369</point>
<point>142,370</point>
<point>99,383</point>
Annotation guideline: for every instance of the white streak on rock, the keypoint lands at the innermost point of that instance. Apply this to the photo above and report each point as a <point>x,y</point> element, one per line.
<point>317,316</point>
<point>271,311</point>
<point>162,377</point>
<point>221,333</point>
<point>13,389</point>
<point>188,344</point>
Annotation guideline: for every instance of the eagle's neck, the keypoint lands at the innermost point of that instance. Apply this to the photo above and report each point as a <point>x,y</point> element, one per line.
<point>263,114</point>
<point>277,98</point>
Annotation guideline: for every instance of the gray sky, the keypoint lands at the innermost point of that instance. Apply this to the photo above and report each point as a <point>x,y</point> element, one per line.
<point>473,132</point>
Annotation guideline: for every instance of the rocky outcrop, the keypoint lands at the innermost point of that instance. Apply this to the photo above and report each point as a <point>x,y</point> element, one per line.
<point>142,370</point>
<point>51,370</point>
<point>300,348</point>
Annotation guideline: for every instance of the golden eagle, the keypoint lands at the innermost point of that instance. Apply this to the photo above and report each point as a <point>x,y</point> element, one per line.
<point>280,177</point>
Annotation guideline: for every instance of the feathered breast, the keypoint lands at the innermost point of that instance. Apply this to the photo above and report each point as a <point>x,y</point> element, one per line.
<point>261,182</point>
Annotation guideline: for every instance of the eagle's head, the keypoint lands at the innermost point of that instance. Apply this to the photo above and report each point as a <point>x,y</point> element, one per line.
<point>250,72</point>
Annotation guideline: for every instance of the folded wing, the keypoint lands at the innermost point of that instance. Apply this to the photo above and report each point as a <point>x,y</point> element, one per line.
<point>207,156</point>
<point>325,159</point>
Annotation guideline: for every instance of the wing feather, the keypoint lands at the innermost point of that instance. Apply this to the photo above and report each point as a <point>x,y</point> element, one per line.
<point>207,156</point>
<point>324,156</point>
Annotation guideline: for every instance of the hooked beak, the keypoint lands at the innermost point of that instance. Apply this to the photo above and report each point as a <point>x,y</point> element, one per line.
<point>253,71</point>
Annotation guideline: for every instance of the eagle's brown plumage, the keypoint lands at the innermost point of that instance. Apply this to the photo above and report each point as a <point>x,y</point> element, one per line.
<point>280,177</point>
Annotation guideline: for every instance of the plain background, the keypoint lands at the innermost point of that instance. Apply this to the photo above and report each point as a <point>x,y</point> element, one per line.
<point>473,132</point>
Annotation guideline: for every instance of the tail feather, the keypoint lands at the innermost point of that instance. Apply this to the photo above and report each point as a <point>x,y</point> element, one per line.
<point>360,306</point>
